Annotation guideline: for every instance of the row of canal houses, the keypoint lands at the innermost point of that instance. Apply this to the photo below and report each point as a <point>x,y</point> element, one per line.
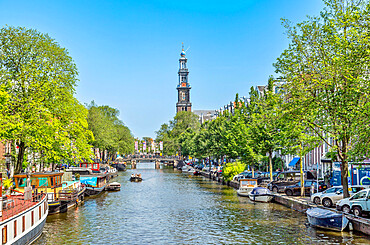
<point>315,160</point>
<point>24,209</point>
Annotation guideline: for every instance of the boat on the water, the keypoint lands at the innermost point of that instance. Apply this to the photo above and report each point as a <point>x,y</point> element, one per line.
<point>61,195</point>
<point>326,219</point>
<point>114,186</point>
<point>119,166</point>
<point>94,184</point>
<point>136,178</point>
<point>246,186</point>
<point>260,194</point>
<point>23,216</point>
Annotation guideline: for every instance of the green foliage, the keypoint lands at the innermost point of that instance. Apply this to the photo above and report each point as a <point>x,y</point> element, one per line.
<point>38,78</point>
<point>231,169</point>
<point>110,133</point>
<point>180,129</point>
<point>328,83</point>
<point>7,184</point>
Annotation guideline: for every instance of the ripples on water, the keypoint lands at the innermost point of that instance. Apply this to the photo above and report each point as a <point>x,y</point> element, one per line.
<point>173,208</point>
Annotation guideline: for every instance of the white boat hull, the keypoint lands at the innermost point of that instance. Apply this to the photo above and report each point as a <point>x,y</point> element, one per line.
<point>260,198</point>
<point>244,192</point>
<point>32,227</point>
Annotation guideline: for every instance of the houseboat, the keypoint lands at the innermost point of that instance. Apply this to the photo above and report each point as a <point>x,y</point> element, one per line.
<point>92,177</point>
<point>100,168</point>
<point>23,216</point>
<point>94,184</point>
<point>61,195</point>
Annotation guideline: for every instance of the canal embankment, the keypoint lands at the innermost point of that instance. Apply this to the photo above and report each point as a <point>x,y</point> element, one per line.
<point>300,204</point>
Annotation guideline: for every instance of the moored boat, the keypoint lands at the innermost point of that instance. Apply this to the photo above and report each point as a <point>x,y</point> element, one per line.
<point>94,184</point>
<point>326,219</point>
<point>61,195</point>
<point>114,186</point>
<point>260,194</point>
<point>23,216</point>
<point>119,166</point>
<point>246,186</point>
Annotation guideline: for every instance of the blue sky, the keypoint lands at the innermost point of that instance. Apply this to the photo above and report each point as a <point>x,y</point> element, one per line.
<point>127,51</point>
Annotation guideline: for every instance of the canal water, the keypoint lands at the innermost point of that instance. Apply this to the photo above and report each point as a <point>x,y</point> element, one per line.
<point>169,207</point>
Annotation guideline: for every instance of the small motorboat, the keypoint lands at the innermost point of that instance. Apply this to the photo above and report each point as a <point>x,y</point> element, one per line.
<point>114,186</point>
<point>326,219</point>
<point>260,194</point>
<point>246,186</point>
<point>136,178</point>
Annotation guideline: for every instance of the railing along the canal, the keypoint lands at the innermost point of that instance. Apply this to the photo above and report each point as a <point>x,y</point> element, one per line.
<point>14,204</point>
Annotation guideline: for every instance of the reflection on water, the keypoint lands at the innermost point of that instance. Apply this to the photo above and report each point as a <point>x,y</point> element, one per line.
<point>173,208</point>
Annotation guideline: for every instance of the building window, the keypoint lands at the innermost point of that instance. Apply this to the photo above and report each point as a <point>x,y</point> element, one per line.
<point>32,218</point>
<point>5,235</point>
<point>15,228</point>
<point>183,96</point>
<point>23,223</point>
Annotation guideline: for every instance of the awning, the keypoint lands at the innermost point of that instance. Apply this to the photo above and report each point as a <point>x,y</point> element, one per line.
<point>294,162</point>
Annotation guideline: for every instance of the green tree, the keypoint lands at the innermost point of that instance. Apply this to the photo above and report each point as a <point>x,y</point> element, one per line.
<point>36,73</point>
<point>326,68</point>
<point>171,134</point>
<point>266,122</point>
<point>231,169</point>
<point>110,133</point>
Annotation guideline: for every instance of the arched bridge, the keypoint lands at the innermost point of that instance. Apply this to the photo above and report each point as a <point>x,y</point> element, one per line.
<point>169,161</point>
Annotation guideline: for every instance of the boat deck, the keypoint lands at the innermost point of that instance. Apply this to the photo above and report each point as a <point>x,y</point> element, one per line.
<point>13,205</point>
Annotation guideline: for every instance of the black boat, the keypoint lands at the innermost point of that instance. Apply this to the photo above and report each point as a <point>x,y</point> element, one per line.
<point>119,166</point>
<point>326,219</point>
<point>136,179</point>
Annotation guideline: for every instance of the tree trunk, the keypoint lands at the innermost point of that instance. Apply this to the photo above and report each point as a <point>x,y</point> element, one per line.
<point>344,168</point>
<point>19,165</point>
<point>270,163</point>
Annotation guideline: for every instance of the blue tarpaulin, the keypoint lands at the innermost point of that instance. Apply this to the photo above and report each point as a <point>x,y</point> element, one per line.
<point>294,162</point>
<point>89,180</point>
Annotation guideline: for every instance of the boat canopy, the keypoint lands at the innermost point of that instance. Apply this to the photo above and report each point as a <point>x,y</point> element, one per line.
<point>322,213</point>
<point>248,183</point>
<point>260,191</point>
<point>89,180</point>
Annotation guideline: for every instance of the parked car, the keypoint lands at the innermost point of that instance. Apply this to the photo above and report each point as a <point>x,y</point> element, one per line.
<point>288,178</point>
<point>328,197</point>
<point>332,195</point>
<point>358,203</point>
<point>246,175</point>
<point>296,189</point>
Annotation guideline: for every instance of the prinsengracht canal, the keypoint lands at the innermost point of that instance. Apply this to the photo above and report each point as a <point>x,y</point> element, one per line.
<point>169,207</point>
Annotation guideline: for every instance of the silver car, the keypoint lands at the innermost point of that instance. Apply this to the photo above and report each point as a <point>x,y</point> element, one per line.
<point>328,197</point>
<point>332,195</point>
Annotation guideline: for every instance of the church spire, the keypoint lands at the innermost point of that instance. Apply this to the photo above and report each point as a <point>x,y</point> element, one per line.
<point>183,88</point>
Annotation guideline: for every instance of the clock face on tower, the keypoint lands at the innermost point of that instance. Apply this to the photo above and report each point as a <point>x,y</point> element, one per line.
<point>183,84</point>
